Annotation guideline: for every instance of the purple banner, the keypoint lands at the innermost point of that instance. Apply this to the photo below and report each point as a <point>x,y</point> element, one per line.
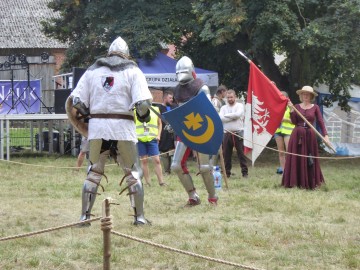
<point>20,97</point>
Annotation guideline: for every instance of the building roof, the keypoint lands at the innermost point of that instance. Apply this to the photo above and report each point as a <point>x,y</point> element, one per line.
<point>20,25</point>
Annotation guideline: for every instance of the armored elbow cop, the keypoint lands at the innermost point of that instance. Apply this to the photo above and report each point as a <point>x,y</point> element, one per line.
<point>205,89</point>
<point>143,110</point>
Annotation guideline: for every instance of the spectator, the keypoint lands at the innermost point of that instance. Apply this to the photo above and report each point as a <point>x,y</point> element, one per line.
<point>148,135</point>
<point>167,140</point>
<point>218,100</point>
<point>282,136</point>
<point>301,169</point>
<point>232,116</point>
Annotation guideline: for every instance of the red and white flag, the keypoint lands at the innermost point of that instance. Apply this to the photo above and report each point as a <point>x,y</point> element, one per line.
<point>264,111</point>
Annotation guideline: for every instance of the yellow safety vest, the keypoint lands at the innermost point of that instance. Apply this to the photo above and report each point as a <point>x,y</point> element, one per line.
<point>146,132</point>
<point>286,127</point>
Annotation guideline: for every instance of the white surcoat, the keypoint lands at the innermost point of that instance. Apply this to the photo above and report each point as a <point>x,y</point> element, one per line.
<point>106,91</point>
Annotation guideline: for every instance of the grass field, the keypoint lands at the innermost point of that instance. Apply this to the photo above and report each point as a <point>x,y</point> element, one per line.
<point>256,223</point>
<point>20,137</point>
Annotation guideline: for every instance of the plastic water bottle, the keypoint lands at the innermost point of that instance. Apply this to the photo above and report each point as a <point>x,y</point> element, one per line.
<point>217,178</point>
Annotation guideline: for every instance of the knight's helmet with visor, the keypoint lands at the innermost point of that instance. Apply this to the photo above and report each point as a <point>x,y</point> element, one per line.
<point>184,70</point>
<point>119,47</point>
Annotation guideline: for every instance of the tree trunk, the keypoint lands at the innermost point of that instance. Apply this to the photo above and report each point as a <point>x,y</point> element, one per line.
<point>272,71</point>
<point>300,73</point>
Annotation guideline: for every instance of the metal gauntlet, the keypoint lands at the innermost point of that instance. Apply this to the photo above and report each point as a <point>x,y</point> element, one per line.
<point>143,111</point>
<point>80,106</point>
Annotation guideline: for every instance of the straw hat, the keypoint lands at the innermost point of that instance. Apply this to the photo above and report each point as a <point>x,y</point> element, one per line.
<point>307,89</point>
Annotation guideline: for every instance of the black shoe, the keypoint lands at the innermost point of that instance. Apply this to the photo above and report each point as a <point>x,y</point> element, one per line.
<point>245,175</point>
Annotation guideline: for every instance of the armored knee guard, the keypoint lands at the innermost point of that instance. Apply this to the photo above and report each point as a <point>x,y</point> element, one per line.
<point>205,170</point>
<point>214,160</point>
<point>184,178</point>
<point>92,182</point>
<point>136,193</point>
<point>89,193</point>
<point>128,155</point>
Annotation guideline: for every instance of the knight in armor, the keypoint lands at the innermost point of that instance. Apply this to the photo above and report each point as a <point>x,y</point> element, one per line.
<point>107,93</point>
<point>189,86</point>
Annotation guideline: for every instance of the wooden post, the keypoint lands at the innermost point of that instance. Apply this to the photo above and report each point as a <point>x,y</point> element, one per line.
<point>222,164</point>
<point>2,144</point>
<point>7,139</point>
<point>41,135</point>
<point>73,141</point>
<point>31,136</point>
<point>61,137</point>
<point>50,137</point>
<point>106,228</point>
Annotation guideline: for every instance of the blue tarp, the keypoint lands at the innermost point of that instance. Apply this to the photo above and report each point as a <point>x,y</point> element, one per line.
<point>160,72</point>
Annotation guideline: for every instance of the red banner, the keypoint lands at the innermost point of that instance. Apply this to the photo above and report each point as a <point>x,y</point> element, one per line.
<point>265,108</point>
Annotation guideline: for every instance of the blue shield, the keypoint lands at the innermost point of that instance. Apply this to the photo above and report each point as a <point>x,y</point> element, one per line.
<point>197,124</point>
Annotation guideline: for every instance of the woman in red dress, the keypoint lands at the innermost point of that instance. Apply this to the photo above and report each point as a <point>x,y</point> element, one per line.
<point>301,170</point>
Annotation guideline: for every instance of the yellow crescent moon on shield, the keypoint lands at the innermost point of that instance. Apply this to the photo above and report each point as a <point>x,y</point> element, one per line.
<point>203,138</point>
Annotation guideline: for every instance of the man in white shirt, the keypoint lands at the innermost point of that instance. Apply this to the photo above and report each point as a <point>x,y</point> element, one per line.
<point>232,116</point>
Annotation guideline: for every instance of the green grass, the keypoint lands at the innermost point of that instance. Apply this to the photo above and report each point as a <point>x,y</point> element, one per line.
<point>256,223</point>
<point>20,137</point>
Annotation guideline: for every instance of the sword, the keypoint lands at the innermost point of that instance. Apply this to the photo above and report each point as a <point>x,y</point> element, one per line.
<point>159,115</point>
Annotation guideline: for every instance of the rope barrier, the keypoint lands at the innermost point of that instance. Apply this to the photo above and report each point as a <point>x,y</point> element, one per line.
<point>289,153</point>
<point>165,153</point>
<point>75,168</point>
<point>106,224</point>
<point>184,252</point>
<point>49,229</point>
<point>108,165</point>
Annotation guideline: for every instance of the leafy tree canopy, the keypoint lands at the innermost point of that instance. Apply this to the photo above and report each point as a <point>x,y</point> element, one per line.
<point>319,38</point>
<point>90,26</point>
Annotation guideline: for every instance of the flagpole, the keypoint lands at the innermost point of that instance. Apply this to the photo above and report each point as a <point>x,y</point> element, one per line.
<point>243,55</point>
<point>222,164</point>
<point>299,113</point>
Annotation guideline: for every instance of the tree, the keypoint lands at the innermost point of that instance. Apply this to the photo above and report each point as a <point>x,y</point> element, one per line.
<point>320,39</point>
<point>90,26</point>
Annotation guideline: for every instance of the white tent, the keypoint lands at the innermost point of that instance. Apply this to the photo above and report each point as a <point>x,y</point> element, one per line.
<point>343,128</point>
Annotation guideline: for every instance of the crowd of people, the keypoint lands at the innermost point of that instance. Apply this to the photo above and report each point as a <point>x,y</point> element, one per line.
<point>125,125</point>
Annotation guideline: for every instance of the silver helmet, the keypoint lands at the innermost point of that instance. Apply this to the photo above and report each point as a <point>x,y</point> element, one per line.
<point>119,47</point>
<point>184,70</point>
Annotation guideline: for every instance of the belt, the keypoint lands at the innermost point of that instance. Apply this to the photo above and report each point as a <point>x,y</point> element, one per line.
<point>304,125</point>
<point>233,132</point>
<point>112,116</point>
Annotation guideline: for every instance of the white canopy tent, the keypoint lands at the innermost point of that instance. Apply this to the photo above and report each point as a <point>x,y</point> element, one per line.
<point>343,127</point>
